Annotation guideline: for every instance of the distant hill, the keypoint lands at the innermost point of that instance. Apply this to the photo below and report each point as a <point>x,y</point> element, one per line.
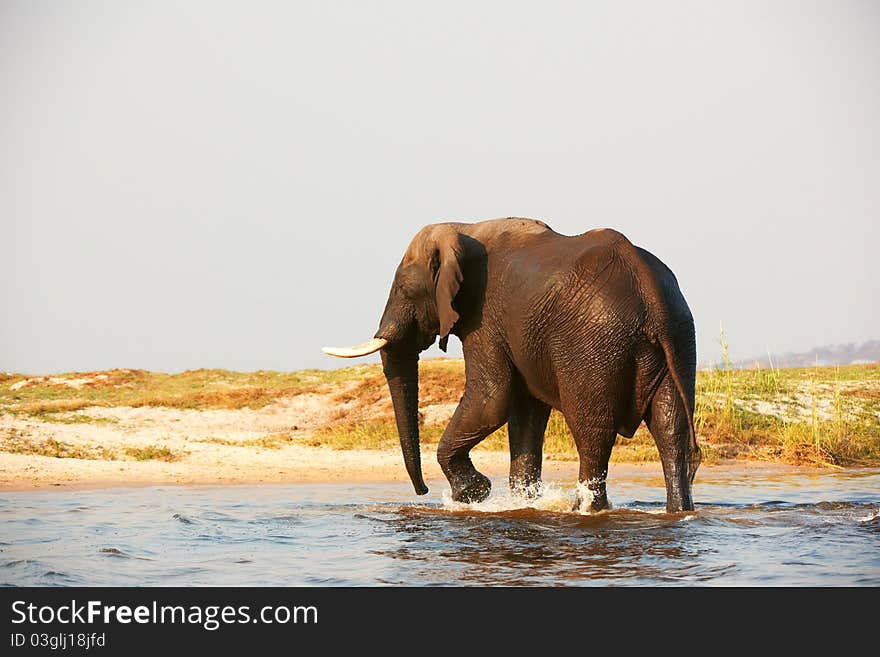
<point>838,354</point>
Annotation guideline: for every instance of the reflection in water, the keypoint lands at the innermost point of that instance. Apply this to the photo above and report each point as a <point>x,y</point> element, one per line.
<point>798,529</point>
<point>539,547</point>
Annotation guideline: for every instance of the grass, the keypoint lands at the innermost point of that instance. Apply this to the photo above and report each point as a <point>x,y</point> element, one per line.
<point>18,442</point>
<point>49,447</point>
<point>151,453</point>
<point>269,441</point>
<point>821,416</point>
<point>826,416</point>
<point>76,418</point>
<point>192,389</point>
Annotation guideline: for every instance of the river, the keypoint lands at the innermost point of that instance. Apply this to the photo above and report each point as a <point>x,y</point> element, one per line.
<point>750,527</point>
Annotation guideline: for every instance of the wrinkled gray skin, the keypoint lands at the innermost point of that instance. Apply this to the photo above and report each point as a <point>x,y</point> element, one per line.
<point>590,325</point>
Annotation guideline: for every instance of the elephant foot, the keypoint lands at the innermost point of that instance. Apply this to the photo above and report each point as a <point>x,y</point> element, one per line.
<point>594,505</point>
<point>476,491</point>
<point>591,498</point>
<point>678,506</point>
<point>678,496</point>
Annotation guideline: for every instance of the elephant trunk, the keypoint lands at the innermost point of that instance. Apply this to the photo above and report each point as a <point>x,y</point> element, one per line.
<point>402,373</point>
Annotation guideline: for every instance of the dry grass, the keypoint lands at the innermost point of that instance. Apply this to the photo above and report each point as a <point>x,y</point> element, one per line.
<point>192,389</point>
<point>269,441</point>
<point>152,453</point>
<point>19,443</point>
<point>51,406</point>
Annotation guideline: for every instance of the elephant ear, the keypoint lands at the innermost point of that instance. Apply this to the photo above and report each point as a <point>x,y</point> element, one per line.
<point>448,278</point>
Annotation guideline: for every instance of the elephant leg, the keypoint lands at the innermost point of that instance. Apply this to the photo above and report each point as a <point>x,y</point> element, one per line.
<point>594,437</point>
<point>525,427</point>
<point>483,409</point>
<point>667,421</point>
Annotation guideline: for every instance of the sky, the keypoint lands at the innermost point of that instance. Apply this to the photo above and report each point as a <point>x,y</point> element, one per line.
<point>232,184</point>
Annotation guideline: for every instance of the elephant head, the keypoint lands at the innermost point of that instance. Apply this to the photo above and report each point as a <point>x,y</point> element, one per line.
<point>421,306</point>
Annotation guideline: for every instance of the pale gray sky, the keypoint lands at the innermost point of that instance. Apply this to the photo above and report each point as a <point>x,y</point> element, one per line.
<point>218,184</point>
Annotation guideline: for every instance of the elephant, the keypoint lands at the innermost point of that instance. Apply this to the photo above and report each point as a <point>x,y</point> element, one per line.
<point>590,325</point>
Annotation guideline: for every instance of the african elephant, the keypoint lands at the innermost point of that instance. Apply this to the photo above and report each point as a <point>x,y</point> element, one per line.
<point>590,325</point>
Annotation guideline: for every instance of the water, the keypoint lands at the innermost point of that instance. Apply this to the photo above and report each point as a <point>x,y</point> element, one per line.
<point>750,528</point>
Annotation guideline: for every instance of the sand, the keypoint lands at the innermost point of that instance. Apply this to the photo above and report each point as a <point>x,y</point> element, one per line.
<point>218,465</point>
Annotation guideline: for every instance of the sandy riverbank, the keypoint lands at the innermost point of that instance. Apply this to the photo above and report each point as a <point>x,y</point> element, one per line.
<point>222,447</point>
<point>227,465</point>
<point>221,465</point>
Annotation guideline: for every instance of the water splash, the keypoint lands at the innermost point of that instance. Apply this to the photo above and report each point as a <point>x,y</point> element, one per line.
<point>586,495</point>
<point>550,497</point>
<point>870,516</point>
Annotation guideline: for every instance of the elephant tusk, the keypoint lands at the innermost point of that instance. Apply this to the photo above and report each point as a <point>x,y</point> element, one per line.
<point>360,350</point>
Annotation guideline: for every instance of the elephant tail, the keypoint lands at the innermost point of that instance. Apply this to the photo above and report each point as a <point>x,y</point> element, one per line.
<point>669,352</point>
